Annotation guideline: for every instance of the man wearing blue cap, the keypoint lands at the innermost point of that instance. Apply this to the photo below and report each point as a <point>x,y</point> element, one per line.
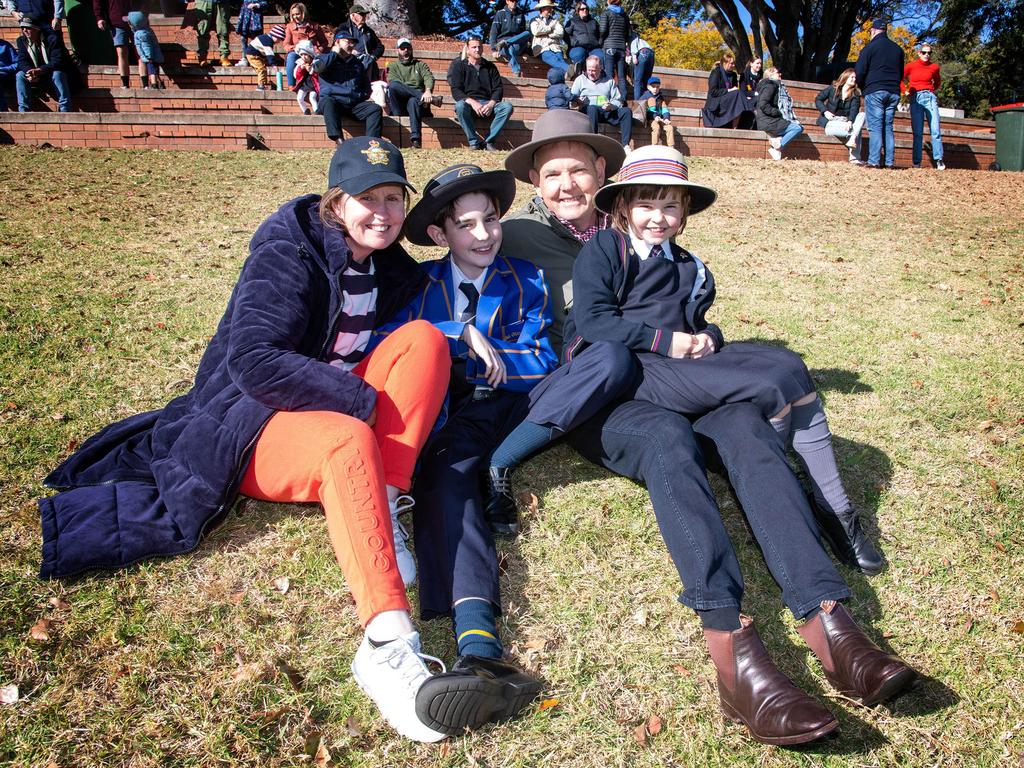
<point>345,89</point>
<point>879,74</point>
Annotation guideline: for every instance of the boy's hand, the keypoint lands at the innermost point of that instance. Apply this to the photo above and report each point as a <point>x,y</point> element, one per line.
<point>481,349</point>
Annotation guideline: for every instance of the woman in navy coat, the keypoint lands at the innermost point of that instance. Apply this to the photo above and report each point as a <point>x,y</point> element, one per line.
<point>287,405</point>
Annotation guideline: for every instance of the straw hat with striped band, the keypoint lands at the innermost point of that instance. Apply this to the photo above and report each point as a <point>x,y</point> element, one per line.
<point>658,166</point>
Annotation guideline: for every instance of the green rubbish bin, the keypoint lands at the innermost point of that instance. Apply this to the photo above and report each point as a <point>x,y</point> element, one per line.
<point>1010,136</point>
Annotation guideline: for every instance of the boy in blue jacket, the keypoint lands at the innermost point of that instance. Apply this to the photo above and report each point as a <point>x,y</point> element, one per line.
<point>495,312</point>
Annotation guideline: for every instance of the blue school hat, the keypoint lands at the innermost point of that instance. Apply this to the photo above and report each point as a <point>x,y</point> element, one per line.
<point>449,184</point>
<point>656,80</point>
<point>364,162</point>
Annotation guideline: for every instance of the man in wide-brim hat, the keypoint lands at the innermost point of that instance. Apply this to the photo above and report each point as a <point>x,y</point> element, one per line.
<point>567,166</point>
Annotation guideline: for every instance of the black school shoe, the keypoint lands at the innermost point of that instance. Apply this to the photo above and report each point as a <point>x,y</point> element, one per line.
<point>475,691</point>
<point>847,540</point>
<point>499,503</point>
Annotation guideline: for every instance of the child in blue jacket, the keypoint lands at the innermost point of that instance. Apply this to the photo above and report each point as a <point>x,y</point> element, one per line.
<point>495,312</point>
<point>558,95</point>
<point>148,48</point>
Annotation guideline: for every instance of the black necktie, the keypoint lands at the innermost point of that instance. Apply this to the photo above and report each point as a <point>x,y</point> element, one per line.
<point>473,295</point>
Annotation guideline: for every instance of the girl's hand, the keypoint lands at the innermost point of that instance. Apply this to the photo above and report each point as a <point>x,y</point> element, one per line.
<point>494,366</point>
<point>682,345</point>
<point>704,346</point>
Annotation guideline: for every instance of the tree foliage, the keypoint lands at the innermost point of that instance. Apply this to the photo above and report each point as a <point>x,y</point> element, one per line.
<point>803,37</point>
<point>695,46</point>
<point>979,44</point>
<point>902,36</point>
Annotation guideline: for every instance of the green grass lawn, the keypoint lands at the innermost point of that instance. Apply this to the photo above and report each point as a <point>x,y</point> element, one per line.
<point>901,290</point>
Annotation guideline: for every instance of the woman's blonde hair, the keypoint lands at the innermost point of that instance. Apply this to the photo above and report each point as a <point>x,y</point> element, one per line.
<point>333,197</point>
<point>772,73</point>
<point>629,195</point>
<point>727,56</point>
<point>301,7</point>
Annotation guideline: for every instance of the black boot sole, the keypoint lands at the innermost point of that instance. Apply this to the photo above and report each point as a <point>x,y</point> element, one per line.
<point>451,705</point>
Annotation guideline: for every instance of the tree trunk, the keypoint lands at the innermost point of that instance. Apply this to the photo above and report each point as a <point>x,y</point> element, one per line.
<point>393,18</point>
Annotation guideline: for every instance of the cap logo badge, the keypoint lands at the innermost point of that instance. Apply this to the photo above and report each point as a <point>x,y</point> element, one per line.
<point>376,154</point>
<point>465,172</point>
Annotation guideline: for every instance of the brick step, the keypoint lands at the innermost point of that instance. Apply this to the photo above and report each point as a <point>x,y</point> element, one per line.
<point>219,79</point>
<point>290,132</point>
<point>249,100</point>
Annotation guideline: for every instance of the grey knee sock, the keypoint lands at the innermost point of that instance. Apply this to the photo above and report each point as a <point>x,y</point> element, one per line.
<point>812,442</point>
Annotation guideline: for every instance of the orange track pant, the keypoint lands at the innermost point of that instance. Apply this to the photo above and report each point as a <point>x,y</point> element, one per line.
<point>344,464</point>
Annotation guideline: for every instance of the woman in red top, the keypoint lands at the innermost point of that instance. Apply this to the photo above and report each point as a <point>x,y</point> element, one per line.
<point>297,30</point>
<point>921,80</point>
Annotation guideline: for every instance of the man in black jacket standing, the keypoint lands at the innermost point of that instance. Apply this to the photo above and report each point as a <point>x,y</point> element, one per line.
<point>476,88</point>
<point>879,72</point>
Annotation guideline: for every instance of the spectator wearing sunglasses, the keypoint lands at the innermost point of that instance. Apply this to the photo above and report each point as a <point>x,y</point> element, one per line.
<point>921,79</point>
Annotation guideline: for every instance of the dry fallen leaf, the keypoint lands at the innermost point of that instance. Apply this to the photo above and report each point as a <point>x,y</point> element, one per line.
<point>640,617</point>
<point>40,630</point>
<point>548,704</point>
<point>537,644</point>
<point>59,605</point>
<point>654,725</point>
<point>986,425</point>
<point>640,734</point>
<point>917,384</point>
<point>247,673</point>
<point>968,624</point>
<point>529,500</point>
<point>237,597</point>
<point>322,759</point>
<point>994,485</point>
<point>273,715</point>
<point>294,677</point>
<point>680,670</point>
<point>352,726</point>
<point>282,584</point>
<point>1018,627</point>
<point>1000,546</point>
<point>9,694</point>
<point>993,594</point>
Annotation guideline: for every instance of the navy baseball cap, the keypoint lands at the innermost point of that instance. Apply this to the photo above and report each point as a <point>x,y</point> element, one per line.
<point>655,80</point>
<point>364,162</point>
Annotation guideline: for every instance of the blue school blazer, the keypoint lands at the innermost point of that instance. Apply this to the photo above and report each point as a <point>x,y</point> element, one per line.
<point>514,313</point>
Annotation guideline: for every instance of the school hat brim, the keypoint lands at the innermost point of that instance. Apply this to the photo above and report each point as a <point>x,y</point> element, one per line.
<point>450,184</point>
<point>660,167</point>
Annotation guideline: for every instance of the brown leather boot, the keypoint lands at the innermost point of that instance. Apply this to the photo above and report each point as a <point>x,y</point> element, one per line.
<point>754,692</point>
<point>854,665</point>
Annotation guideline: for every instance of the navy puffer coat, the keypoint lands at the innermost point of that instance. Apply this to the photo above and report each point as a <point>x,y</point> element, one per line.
<point>151,484</point>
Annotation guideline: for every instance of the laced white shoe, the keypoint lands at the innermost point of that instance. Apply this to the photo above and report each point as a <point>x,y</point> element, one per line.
<point>391,675</point>
<point>406,565</point>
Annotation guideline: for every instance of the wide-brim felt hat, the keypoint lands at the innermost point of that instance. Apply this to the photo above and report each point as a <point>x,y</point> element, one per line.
<point>365,162</point>
<point>564,125</point>
<point>657,166</point>
<point>449,184</point>
<point>545,4</point>
<point>360,9</point>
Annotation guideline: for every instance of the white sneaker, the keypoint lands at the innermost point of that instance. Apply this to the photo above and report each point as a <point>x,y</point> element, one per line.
<point>391,675</point>
<point>939,165</point>
<point>775,154</point>
<point>775,142</point>
<point>406,564</point>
